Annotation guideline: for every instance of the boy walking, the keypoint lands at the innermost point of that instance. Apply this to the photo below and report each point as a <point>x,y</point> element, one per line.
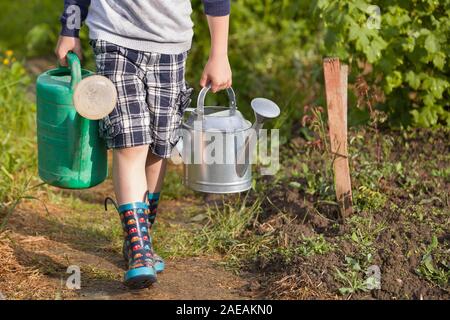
<point>142,46</point>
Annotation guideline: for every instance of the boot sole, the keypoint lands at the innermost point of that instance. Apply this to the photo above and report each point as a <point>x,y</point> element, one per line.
<point>159,267</point>
<point>139,278</point>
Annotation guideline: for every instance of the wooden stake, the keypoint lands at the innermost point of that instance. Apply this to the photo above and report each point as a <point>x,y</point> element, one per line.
<point>336,84</point>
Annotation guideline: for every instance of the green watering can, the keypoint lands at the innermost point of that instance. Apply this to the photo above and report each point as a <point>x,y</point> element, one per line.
<point>70,152</point>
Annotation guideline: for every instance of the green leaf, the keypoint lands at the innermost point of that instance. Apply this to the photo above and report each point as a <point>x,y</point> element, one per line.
<point>413,80</point>
<point>393,81</point>
<point>428,262</point>
<point>345,291</point>
<point>295,184</point>
<point>439,60</point>
<point>428,116</point>
<point>432,44</point>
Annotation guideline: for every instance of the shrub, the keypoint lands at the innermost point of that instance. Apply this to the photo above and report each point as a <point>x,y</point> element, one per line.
<point>406,57</point>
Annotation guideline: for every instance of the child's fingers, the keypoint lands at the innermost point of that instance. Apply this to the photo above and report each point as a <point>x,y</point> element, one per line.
<point>62,58</point>
<point>225,85</point>
<point>204,80</point>
<point>215,87</point>
<point>219,86</point>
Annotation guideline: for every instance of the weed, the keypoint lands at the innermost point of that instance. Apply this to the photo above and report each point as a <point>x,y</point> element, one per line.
<point>315,245</point>
<point>435,265</point>
<point>352,277</point>
<point>364,232</point>
<point>318,182</point>
<point>315,183</point>
<point>369,200</point>
<point>309,246</point>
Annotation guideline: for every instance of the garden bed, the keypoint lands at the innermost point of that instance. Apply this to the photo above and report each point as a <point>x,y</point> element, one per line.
<point>400,225</point>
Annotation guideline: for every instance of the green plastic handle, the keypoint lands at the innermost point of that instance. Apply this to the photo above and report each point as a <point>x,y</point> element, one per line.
<point>75,69</point>
<point>75,72</point>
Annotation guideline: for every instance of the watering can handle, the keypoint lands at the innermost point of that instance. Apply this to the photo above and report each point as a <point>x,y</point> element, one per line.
<point>75,73</point>
<point>202,96</point>
<point>75,69</point>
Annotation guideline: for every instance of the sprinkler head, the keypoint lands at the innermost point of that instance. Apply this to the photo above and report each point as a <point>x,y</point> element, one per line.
<point>95,97</point>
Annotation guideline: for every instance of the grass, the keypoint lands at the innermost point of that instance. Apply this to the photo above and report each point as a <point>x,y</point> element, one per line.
<point>100,274</point>
<point>173,186</point>
<point>221,233</point>
<point>86,223</point>
<point>17,137</point>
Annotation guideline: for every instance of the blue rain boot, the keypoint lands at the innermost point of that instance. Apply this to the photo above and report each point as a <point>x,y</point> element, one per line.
<point>134,218</point>
<point>151,200</point>
<point>151,211</point>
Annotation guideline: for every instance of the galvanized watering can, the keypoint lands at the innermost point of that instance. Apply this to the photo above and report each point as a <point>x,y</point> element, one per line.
<point>217,142</point>
<point>70,152</point>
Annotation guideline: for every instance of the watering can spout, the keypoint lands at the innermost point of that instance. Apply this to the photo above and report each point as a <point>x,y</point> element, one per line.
<point>264,109</point>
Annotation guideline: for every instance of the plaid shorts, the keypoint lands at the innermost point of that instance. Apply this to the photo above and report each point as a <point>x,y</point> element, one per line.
<point>152,96</point>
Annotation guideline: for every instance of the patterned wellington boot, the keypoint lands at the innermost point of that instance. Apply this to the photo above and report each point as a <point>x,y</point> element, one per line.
<point>153,200</point>
<point>141,272</point>
<point>152,206</point>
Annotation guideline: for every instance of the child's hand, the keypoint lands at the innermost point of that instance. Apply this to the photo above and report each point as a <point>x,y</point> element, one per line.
<point>64,46</point>
<point>217,73</point>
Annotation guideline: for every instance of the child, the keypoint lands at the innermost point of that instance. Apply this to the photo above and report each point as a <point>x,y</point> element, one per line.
<point>141,46</point>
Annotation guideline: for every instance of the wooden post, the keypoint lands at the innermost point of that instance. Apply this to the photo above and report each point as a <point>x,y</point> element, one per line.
<point>336,79</point>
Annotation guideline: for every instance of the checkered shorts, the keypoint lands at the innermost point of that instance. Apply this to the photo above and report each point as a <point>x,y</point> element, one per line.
<point>152,97</point>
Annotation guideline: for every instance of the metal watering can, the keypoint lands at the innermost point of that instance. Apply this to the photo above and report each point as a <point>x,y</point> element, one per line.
<point>216,144</point>
<point>70,152</point>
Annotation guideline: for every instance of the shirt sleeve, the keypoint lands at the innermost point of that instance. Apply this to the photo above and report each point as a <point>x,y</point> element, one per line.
<point>75,12</point>
<point>217,8</point>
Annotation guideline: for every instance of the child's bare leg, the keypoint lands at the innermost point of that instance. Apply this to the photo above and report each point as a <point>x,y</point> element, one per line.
<point>130,183</point>
<point>155,169</point>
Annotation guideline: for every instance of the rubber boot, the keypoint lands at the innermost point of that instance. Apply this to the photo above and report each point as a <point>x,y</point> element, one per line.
<point>141,272</point>
<point>151,199</point>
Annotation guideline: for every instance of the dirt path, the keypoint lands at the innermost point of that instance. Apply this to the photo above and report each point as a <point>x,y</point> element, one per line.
<point>40,246</point>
